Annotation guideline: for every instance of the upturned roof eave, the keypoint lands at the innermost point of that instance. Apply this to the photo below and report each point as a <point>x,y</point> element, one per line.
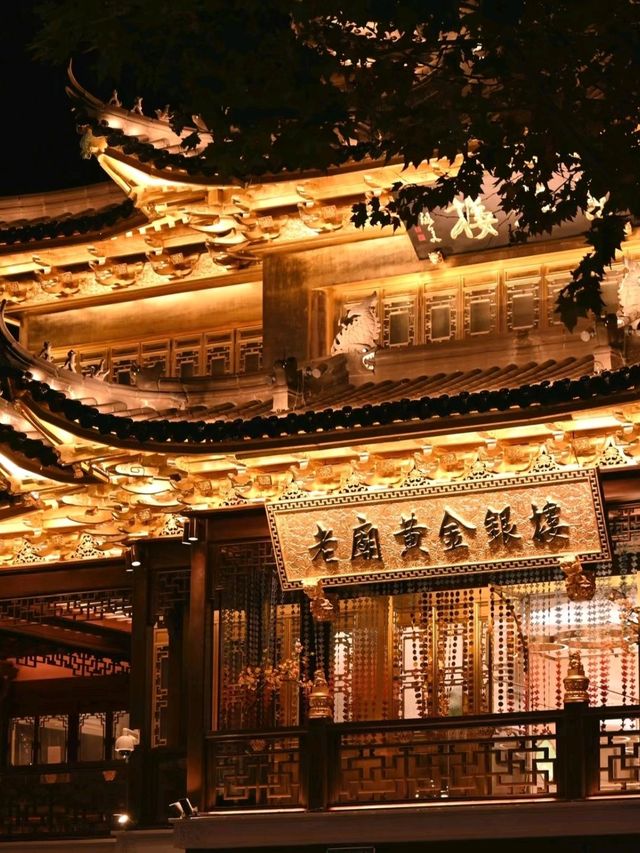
<point>341,436</point>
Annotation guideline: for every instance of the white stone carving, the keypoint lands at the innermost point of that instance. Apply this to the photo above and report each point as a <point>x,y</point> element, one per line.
<point>71,362</point>
<point>359,330</point>
<point>46,353</point>
<point>629,296</point>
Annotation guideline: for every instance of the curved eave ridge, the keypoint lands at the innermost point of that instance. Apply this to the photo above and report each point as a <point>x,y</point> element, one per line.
<point>34,455</point>
<point>117,141</point>
<point>197,436</point>
<point>135,138</point>
<point>66,227</point>
<point>157,130</point>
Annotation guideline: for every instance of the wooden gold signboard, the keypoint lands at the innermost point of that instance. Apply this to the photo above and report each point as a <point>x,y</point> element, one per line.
<point>466,527</point>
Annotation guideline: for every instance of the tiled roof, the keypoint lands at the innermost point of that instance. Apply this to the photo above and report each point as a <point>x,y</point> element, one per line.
<point>90,221</point>
<point>369,393</point>
<point>373,393</point>
<point>117,414</point>
<point>252,423</point>
<point>453,383</point>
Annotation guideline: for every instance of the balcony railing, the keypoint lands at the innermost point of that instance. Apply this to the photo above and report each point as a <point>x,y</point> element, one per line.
<point>453,759</point>
<point>259,770</point>
<point>574,753</point>
<point>618,770</point>
<point>61,800</point>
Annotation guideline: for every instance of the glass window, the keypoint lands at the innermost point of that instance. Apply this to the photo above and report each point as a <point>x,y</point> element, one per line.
<point>52,739</point>
<point>522,308</point>
<point>91,735</point>
<point>399,329</point>
<point>21,741</point>
<point>480,317</point>
<point>398,324</point>
<point>440,322</point>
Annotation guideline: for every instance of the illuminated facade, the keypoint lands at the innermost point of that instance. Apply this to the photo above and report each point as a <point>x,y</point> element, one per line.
<point>341,525</point>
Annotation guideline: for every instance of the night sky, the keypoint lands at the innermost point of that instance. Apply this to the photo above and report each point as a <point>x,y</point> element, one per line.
<point>39,144</point>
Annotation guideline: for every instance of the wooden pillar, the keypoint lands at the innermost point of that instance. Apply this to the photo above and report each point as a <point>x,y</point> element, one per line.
<point>578,752</point>
<point>198,668</point>
<point>176,723</point>
<point>8,673</point>
<point>140,803</point>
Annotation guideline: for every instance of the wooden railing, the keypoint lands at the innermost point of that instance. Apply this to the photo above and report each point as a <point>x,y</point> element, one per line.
<point>61,800</point>
<point>618,767</point>
<point>573,753</point>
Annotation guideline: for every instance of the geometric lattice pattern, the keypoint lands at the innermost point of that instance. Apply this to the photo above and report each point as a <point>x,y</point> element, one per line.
<point>78,802</point>
<point>406,764</point>
<point>79,606</point>
<point>620,757</point>
<point>160,701</point>
<point>261,770</point>
<point>624,527</point>
<point>80,663</point>
<point>170,589</point>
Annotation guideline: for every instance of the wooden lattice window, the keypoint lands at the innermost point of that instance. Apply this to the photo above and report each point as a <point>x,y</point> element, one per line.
<point>441,317</point>
<point>187,357</point>
<point>249,351</point>
<point>523,304</point>
<point>219,354</point>
<point>155,354</point>
<point>123,362</point>
<point>480,311</point>
<point>398,320</point>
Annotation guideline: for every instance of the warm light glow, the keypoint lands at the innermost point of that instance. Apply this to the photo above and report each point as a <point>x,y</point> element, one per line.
<point>235,812</point>
<point>437,803</point>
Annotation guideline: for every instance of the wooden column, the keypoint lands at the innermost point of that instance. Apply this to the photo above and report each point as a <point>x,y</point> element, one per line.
<point>235,525</point>
<point>176,723</point>
<point>198,668</point>
<point>140,802</point>
<point>7,674</point>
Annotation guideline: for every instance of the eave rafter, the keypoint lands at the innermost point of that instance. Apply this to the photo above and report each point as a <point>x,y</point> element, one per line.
<point>146,486</point>
<point>93,479</point>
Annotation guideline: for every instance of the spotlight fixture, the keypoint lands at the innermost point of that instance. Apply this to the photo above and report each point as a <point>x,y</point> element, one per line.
<point>190,531</point>
<point>132,557</point>
<point>184,808</point>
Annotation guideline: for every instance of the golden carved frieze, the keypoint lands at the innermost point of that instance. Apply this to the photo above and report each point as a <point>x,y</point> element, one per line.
<point>463,527</point>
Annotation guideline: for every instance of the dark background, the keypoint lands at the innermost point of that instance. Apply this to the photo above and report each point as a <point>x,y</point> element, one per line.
<point>39,145</point>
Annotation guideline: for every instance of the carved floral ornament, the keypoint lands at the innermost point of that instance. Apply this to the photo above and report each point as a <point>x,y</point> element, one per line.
<point>579,582</point>
<point>136,497</point>
<point>141,496</point>
<point>230,243</point>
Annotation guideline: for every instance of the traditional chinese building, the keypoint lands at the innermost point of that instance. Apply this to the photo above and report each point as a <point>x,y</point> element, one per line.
<point>343,525</point>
